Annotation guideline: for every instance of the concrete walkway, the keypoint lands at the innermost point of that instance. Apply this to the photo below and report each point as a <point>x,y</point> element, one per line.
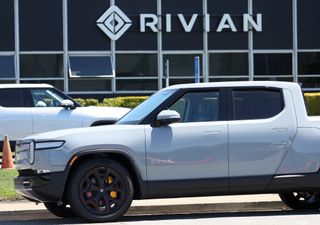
<point>265,202</point>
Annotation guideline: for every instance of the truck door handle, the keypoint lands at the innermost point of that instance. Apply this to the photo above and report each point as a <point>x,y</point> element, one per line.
<point>280,129</point>
<point>212,132</point>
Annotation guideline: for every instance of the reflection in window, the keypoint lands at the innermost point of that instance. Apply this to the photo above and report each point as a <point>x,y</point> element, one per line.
<point>273,64</point>
<point>56,83</point>
<point>83,84</point>
<point>309,63</point>
<point>198,107</point>
<point>90,66</point>
<point>137,85</point>
<point>309,82</point>
<point>7,67</point>
<point>181,65</point>
<point>129,65</point>
<point>41,65</point>
<point>45,98</point>
<point>228,64</point>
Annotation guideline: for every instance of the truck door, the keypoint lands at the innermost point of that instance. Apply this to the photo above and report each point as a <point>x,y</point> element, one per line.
<point>262,127</point>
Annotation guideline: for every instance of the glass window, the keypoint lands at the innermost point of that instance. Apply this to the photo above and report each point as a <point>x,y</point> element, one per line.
<point>308,24</point>
<point>7,25</point>
<point>198,106</point>
<point>11,98</point>
<point>309,63</point>
<point>217,79</point>
<point>137,85</point>
<point>83,84</point>
<point>41,65</point>
<point>40,24</point>
<point>181,65</point>
<point>269,78</point>
<point>226,39</point>
<point>179,81</point>
<point>7,67</point>
<point>256,104</point>
<point>90,66</point>
<point>129,65</point>
<point>83,33</point>
<point>46,98</point>
<point>277,26</point>
<point>273,64</point>
<point>309,82</point>
<point>224,64</point>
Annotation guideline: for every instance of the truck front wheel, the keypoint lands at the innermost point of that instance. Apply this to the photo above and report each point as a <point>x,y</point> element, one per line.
<point>100,190</point>
<point>301,200</point>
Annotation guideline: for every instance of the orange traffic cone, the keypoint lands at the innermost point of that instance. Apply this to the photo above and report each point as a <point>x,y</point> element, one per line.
<point>7,161</point>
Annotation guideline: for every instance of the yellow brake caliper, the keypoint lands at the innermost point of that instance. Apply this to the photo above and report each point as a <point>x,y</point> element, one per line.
<point>112,194</point>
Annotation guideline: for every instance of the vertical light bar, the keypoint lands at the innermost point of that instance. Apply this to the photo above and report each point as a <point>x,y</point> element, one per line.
<point>65,45</point>
<point>159,44</point>
<point>250,44</point>
<point>113,53</point>
<point>17,40</point>
<point>205,66</point>
<point>295,41</point>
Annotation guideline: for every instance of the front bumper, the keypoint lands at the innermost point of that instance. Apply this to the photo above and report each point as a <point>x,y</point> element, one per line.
<point>47,187</point>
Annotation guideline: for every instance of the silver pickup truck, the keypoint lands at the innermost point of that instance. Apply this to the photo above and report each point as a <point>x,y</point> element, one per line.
<point>185,140</point>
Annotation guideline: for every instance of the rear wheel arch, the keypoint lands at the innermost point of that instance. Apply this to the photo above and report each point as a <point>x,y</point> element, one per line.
<point>121,158</point>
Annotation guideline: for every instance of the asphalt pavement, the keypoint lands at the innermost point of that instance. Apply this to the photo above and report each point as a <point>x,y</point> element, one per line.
<point>24,210</point>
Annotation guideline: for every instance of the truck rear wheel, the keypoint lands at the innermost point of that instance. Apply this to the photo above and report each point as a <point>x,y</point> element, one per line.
<point>100,190</point>
<point>301,200</point>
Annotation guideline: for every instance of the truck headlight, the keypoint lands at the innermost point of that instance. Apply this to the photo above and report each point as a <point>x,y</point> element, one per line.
<point>48,145</point>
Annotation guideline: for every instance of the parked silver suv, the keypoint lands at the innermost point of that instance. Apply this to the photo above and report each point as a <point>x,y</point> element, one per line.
<point>185,140</point>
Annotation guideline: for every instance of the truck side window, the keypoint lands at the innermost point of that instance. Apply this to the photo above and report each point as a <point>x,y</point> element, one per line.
<point>11,98</point>
<point>256,103</point>
<point>198,106</point>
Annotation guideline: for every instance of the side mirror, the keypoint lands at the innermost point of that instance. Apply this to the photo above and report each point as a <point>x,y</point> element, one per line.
<point>167,117</point>
<point>67,104</point>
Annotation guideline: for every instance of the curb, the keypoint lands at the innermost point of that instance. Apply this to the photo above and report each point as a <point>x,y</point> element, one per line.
<point>161,210</point>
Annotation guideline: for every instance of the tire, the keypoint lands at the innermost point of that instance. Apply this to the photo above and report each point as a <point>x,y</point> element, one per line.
<point>59,210</point>
<point>301,200</point>
<point>100,190</point>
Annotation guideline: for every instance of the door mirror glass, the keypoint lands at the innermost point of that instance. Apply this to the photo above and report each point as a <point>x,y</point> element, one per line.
<point>67,104</point>
<point>167,117</point>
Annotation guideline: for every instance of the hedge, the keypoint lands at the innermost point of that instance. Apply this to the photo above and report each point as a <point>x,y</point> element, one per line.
<point>312,102</point>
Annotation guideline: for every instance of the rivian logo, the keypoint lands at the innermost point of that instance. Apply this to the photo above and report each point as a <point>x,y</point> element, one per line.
<point>114,23</point>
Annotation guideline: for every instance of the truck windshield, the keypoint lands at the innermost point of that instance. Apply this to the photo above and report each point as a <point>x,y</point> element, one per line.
<point>136,115</point>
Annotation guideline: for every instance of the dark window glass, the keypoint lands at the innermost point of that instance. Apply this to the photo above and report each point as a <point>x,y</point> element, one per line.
<point>56,83</point>
<point>217,79</point>
<point>84,34</point>
<point>309,63</point>
<point>198,107</point>
<point>288,79</point>
<point>227,39</point>
<point>221,64</point>
<point>137,65</point>
<point>7,67</point>
<point>90,66</point>
<point>308,24</point>
<point>46,98</point>
<point>41,65</point>
<point>256,104</point>
<point>89,85</point>
<point>309,82</point>
<point>7,25</point>
<point>11,98</point>
<point>180,81</point>
<point>181,65</point>
<point>277,24</point>
<point>137,85</point>
<point>40,24</point>
<point>178,39</point>
<point>133,39</point>
<point>273,64</point>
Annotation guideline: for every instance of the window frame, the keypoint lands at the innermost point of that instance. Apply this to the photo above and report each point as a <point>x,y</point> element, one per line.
<point>231,108</point>
<point>89,76</point>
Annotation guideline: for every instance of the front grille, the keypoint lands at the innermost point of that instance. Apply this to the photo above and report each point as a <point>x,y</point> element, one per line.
<point>27,173</point>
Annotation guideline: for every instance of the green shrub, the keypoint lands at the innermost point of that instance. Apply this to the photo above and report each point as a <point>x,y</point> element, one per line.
<point>81,101</point>
<point>129,102</point>
<point>313,103</point>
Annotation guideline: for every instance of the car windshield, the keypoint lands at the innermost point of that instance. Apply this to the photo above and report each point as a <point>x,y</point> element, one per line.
<point>136,115</point>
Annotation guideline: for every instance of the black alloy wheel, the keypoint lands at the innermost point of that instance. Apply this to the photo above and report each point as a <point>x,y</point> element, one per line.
<point>301,200</point>
<point>100,190</point>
